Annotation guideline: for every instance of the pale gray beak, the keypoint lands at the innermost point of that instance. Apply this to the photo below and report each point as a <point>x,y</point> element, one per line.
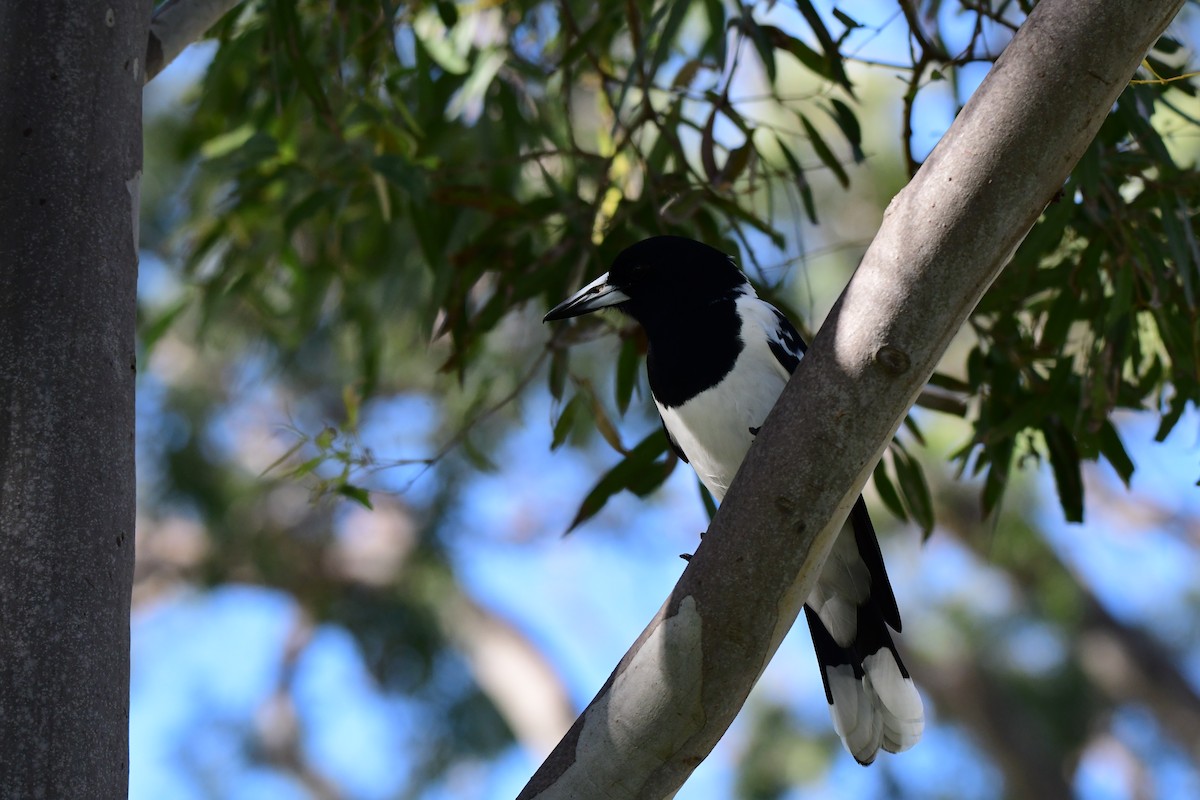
<point>596,295</point>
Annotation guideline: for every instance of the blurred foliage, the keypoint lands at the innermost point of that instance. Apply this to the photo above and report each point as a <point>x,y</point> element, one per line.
<point>375,202</point>
<point>371,178</point>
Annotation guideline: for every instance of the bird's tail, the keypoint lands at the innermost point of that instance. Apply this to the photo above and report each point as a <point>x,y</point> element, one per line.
<point>872,699</point>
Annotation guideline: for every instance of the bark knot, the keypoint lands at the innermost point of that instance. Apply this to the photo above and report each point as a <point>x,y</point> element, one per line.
<point>893,360</point>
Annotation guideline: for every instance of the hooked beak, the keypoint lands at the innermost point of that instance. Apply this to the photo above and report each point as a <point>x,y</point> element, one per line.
<point>596,295</point>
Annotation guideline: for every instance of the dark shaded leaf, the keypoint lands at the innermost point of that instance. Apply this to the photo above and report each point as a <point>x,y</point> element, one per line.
<point>357,494</point>
<point>639,469</point>
<point>824,153</point>
<point>627,367</point>
<point>565,423</point>
<point>1064,460</point>
<point>1114,450</point>
<point>914,489</point>
<point>887,491</point>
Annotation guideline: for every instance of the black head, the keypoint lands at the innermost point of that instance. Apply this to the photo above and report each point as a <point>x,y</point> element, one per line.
<point>661,276</point>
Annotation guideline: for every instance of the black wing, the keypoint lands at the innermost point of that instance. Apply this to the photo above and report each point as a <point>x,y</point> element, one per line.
<point>786,344</point>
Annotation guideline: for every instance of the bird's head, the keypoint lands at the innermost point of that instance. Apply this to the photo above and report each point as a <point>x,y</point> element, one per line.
<point>660,276</point>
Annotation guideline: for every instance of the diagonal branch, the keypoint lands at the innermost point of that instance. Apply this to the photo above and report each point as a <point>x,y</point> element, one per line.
<point>943,241</point>
<point>175,25</point>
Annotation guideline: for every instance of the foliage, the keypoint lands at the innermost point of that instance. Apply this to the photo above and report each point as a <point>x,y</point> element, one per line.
<point>380,200</point>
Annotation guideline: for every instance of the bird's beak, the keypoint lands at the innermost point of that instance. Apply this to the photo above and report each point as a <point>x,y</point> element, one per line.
<point>597,294</point>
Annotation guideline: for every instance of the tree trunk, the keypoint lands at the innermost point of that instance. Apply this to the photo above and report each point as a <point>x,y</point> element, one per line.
<point>942,243</point>
<point>70,166</point>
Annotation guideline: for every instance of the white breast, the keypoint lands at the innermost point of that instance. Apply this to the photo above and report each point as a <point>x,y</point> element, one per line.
<point>713,428</point>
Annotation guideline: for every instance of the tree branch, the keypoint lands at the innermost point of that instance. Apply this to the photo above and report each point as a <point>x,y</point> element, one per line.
<point>943,241</point>
<point>175,25</point>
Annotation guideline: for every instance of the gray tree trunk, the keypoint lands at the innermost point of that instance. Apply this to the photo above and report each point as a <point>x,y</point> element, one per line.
<point>70,165</point>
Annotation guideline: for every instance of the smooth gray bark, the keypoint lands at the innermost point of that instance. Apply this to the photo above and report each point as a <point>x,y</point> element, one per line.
<point>943,241</point>
<point>70,164</point>
<point>176,24</point>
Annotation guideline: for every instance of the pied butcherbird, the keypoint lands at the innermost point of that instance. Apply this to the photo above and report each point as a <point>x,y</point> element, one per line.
<point>718,359</point>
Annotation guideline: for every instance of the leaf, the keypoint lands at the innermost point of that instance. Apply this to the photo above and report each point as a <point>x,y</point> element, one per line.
<point>477,457</point>
<point>357,494</point>
<point>845,119</point>
<point>566,421</point>
<point>306,208</point>
<point>811,59</point>
<point>996,482</point>
<point>403,174</point>
<point>806,195</point>
<point>687,74</point>
<point>448,11</point>
<point>830,47</point>
<point>627,365</point>
<point>1114,450</point>
<point>624,475</point>
<point>150,331</point>
<point>759,35</point>
<point>824,153</point>
<point>287,26</point>
<point>736,163</point>
<point>914,489</point>
<point>887,491</point>
<point>850,22</point>
<point>604,423</point>
<point>1064,460</point>
<point>559,368</point>
<point>667,33</point>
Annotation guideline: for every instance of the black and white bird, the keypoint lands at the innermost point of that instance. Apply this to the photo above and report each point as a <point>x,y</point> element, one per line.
<point>718,359</point>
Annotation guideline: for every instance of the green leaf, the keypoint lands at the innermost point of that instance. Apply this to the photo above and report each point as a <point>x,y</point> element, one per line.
<point>830,47</point>
<point>668,32</point>
<point>811,59</point>
<point>627,366</point>
<point>639,469</point>
<point>1114,450</point>
<point>357,494</point>
<point>760,36</point>
<point>604,423</point>
<point>850,22</point>
<point>287,26</point>
<point>806,195</point>
<point>1064,460</point>
<point>845,119</point>
<point>560,361</point>
<point>914,489</point>
<point>403,174</point>
<point>448,12</point>
<point>887,491</point>
<point>566,421</point>
<point>824,153</point>
<point>153,329</point>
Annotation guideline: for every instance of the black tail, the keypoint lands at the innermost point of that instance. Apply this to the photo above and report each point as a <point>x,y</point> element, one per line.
<point>872,699</point>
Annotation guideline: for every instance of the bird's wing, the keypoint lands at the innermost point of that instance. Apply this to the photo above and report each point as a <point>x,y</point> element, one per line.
<point>785,341</point>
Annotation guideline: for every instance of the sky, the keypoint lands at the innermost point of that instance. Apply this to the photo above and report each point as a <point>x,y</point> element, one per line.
<point>206,663</point>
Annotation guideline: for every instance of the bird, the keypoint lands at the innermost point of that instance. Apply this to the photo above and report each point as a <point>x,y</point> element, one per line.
<point>717,359</point>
